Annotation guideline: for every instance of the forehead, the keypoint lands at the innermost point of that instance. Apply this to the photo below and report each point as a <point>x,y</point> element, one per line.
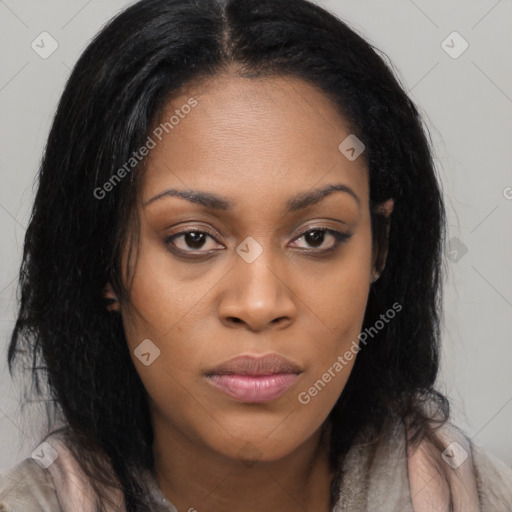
<point>271,135</point>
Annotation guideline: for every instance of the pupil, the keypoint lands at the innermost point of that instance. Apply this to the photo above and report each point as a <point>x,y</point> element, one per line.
<point>315,237</point>
<point>194,239</point>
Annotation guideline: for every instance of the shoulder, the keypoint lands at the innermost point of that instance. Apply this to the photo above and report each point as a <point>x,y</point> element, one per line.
<point>55,482</point>
<point>445,471</point>
<point>449,469</point>
<point>28,487</point>
<point>494,480</point>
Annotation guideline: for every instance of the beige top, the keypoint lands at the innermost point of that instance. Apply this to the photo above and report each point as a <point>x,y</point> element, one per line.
<point>382,476</point>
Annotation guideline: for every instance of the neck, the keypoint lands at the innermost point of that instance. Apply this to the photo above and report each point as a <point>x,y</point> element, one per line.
<point>193,477</point>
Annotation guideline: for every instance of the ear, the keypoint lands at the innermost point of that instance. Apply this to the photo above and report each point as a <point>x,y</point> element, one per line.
<point>111,300</point>
<point>380,248</point>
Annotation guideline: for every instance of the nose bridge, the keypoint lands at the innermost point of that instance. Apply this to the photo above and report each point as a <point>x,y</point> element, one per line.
<point>258,267</point>
<point>259,293</point>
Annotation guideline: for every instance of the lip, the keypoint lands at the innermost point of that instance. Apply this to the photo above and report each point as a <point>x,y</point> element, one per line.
<point>254,379</point>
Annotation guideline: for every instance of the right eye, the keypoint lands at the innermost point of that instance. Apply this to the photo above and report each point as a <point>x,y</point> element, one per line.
<point>183,241</point>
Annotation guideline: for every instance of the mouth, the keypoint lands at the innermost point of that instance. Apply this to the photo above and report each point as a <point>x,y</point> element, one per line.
<point>254,379</point>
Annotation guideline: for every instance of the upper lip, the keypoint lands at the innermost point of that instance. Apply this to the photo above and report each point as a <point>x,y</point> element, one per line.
<point>269,364</point>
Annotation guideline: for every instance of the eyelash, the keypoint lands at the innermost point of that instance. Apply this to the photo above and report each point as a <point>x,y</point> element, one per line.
<point>339,238</point>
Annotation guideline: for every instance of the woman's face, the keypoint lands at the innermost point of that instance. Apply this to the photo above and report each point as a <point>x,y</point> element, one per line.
<point>263,271</point>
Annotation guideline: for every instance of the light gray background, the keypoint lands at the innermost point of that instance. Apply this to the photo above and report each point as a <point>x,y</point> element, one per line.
<point>467,104</point>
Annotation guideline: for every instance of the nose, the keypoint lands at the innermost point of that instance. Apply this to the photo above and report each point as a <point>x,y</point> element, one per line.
<point>258,295</point>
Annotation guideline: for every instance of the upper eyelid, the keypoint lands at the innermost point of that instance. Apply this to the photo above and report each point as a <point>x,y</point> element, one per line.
<point>315,224</point>
<point>301,234</point>
<point>201,229</point>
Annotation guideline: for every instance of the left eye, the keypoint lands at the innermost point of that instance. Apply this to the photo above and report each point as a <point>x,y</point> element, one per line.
<point>315,238</point>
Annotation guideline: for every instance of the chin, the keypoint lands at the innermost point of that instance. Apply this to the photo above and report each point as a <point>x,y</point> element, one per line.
<point>269,447</point>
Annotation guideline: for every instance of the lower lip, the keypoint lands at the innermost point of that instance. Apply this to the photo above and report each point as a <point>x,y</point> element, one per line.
<point>253,388</point>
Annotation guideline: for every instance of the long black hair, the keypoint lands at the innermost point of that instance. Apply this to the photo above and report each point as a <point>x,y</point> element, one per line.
<point>75,238</point>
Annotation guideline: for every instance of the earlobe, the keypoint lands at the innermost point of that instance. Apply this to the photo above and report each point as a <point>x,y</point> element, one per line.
<point>110,297</point>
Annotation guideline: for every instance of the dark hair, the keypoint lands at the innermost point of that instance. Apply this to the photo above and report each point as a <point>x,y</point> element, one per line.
<point>73,245</point>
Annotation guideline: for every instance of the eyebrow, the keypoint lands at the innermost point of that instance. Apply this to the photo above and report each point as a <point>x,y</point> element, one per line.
<point>215,202</point>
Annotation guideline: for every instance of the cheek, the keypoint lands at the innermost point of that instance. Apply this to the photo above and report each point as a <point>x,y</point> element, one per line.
<point>169,309</point>
<point>161,297</point>
<point>338,302</point>
<point>336,292</point>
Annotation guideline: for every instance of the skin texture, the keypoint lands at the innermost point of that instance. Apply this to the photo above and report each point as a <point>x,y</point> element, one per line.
<point>257,143</point>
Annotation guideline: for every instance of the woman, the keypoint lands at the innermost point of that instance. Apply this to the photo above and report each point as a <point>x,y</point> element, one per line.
<point>232,277</point>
